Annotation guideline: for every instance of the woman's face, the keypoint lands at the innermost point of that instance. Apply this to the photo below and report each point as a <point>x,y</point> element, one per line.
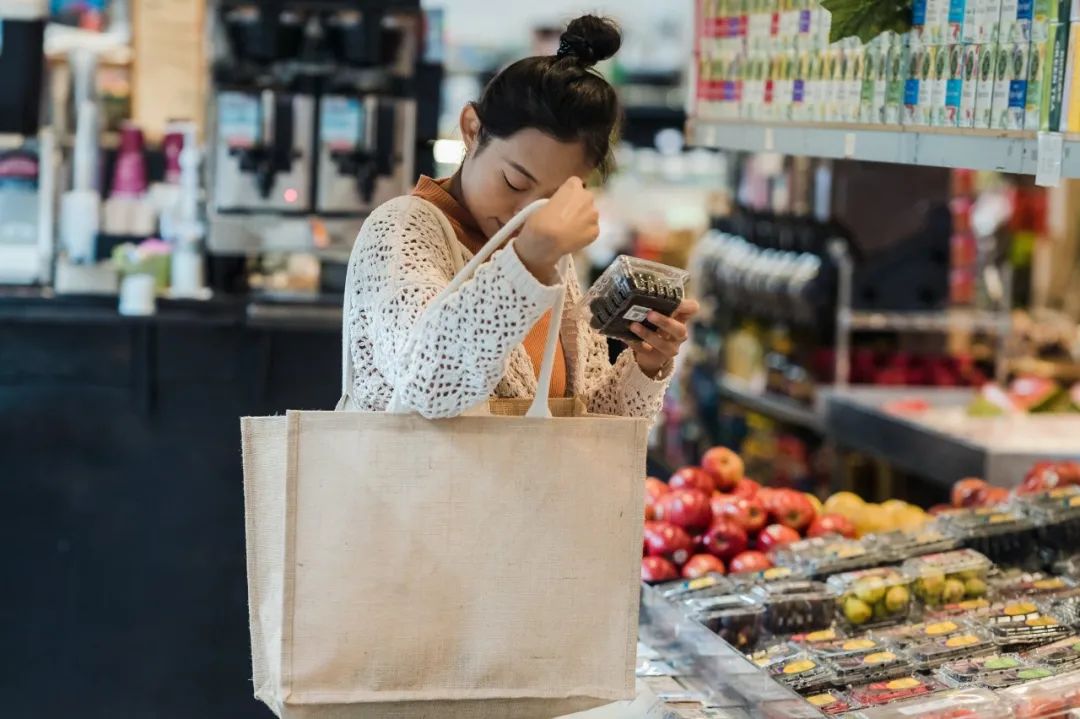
<point>506,174</point>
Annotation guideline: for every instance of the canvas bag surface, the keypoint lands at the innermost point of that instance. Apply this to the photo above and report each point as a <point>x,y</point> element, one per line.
<point>480,566</point>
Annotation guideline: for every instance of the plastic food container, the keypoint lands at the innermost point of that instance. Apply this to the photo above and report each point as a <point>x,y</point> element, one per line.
<point>952,704</point>
<point>735,619</point>
<point>964,672</point>
<point>948,577</point>
<point>967,608</point>
<point>821,637</point>
<point>775,654</point>
<point>894,690</point>
<point>850,646</point>
<point>822,556</point>
<point>1063,654</point>
<point>1017,584</point>
<point>910,634</point>
<point>932,652</point>
<point>832,702</point>
<point>680,589</point>
<point>749,580</point>
<point>1045,699</point>
<point>802,673</point>
<point>870,666</point>
<point>1023,623</point>
<point>1006,537</point>
<point>902,545</point>
<point>1019,675</point>
<point>797,605</point>
<point>873,597</point>
<point>627,291</point>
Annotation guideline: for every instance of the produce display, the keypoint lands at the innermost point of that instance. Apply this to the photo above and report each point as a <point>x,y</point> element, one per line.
<point>968,613</point>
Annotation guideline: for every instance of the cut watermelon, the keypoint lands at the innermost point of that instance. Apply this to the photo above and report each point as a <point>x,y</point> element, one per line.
<point>1036,394</point>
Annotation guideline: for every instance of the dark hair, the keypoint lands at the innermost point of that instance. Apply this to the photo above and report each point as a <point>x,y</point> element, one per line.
<point>560,95</point>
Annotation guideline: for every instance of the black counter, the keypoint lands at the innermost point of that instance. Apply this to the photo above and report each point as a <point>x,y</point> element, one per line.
<point>122,502</point>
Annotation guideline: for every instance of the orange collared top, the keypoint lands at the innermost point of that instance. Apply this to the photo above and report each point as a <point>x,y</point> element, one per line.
<point>470,235</point>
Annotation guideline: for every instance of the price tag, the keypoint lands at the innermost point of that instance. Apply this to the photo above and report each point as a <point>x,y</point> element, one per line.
<point>849,145</point>
<point>1048,157</point>
<point>770,141</point>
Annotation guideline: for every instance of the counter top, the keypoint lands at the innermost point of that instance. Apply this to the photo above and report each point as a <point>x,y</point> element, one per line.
<point>280,311</point>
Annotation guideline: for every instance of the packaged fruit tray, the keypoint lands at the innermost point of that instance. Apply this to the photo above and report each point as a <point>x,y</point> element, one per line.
<point>1063,654</point>
<point>627,291</point>
<point>797,605</point>
<point>832,702</point>
<point>681,589</point>
<point>749,580</point>
<point>1013,677</point>
<point>966,672</point>
<point>1023,623</point>
<point>869,667</point>
<point>895,690</point>
<point>736,619</point>
<point>847,647</point>
<point>948,577</point>
<point>951,704</point>
<point>1051,698</point>
<point>873,597</point>
<point>901,545</point>
<point>1006,537</point>
<point>802,673</point>
<point>822,556</point>
<point>1016,584</point>
<point>910,634</point>
<point>931,652</point>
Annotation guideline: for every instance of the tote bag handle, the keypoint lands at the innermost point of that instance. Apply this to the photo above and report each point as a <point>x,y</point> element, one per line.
<point>539,407</point>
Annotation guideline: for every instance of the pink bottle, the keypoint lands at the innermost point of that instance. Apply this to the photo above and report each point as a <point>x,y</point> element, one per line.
<point>129,176</point>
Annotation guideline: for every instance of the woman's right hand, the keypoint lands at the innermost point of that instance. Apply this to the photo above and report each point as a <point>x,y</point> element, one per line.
<point>566,224</point>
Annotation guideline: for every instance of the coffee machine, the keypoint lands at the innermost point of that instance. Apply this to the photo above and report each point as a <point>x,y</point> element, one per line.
<point>312,120</point>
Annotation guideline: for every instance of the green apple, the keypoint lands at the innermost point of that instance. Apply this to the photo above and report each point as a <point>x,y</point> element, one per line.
<point>857,611</point>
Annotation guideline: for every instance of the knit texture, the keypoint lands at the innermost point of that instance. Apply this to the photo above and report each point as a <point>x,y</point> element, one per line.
<point>471,348</point>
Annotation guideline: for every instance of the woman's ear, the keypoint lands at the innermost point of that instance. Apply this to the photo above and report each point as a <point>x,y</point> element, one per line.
<point>470,128</point>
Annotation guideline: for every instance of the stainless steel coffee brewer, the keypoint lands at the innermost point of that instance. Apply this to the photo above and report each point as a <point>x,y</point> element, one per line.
<point>312,121</point>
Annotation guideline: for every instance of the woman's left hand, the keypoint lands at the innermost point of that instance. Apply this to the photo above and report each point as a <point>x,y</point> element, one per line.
<point>659,347</point>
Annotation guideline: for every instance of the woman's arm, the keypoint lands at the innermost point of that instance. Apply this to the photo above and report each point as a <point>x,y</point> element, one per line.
<point>622,388</point>
<point>453,361</point>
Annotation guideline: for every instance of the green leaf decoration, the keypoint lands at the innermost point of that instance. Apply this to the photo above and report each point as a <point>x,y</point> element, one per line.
<point>866,19</point>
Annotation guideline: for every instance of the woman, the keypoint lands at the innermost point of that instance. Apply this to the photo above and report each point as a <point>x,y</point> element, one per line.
<point>541,126</point>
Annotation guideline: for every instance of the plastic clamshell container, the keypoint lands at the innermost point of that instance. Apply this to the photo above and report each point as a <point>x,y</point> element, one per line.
<point>901,545</point>
<point>1016,584</point>
<point>1002,535</point>
<point>948,577</point>
<point>1024,622</point>
<point>802,673</point>
<point>818,637</point>
<point>849,646</point>
<point>910,634</point>
<point>964,672</point>
<point>870,666</point>
<point>682,588</point>
<point>822,556</point>
<point>627,291</point>
<point>1019,675</point>
<point>735,619</point>
<point>1063,654</point>
<point>1051,698</point>
<point>775,654</point>
<point>797,605</point>
<point>950,704</point>
<point>932,652</point>
<point>1059,523</point>
<point>749,580</point>
<point>873,597</point>
<point>832,702</point>
<point>895,690</point>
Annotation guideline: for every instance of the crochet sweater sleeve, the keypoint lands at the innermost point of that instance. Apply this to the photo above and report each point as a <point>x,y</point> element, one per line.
<point>455,358</point>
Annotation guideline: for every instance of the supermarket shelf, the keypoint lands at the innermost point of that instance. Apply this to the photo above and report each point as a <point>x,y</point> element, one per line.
<point>959,321</point>
<point>1002,151</point>
<point>771,405</point>
<point>943,444</point>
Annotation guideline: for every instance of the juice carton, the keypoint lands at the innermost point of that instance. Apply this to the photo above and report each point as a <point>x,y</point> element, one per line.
<point>987,81</point>
<point>970,84</point>
<point>954,87</point>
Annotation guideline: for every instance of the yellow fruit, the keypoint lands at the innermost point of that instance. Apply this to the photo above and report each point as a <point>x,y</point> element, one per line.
<point>857,611</point>
<point>910,518</point>
<point>894,506</point>
<point>841,501</point>
<point>870,518</point>
<point>897,599</point>
<point>819,508</point>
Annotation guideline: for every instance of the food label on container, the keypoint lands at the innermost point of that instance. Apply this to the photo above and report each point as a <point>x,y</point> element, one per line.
<point>879,657</point>
<point>798,667</point>
<point>822,700</point>
<point>1016,610</point>
<point>637,313</point>
<point>857,644</point>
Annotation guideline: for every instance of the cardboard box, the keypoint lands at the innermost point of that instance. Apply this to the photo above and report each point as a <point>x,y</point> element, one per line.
<point>896,77</point>
<point>1010,86</point>
<point>939,81</point>
<point>854,80</point>
<point>957,18</point>
<point>1070,103</point>
<point>937,22</point>
<point>924,110</point>
<point>986,82</point>
<point>1039,68</point>
<point>954,87</point>
<point>971,21</point>
<point>872,62</point>
<point>913,87</point>
<point>1016,16</point>
<point>970,83</point>
<point>919,32</point>
<point>989,22</point>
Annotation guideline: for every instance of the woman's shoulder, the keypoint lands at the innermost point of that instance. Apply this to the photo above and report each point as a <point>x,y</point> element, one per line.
<point>407,212</point>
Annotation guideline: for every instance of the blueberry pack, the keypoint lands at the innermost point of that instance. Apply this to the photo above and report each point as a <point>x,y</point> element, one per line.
<point>627,291</point>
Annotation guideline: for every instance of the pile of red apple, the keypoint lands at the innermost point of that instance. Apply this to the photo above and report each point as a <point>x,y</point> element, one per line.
<point>972,492</point>
<point>713,519</point>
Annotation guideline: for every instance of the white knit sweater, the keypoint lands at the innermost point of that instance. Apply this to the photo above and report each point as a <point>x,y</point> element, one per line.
<point>472,348</point>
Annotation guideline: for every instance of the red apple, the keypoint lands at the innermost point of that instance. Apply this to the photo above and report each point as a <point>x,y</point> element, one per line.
<point>792,509</point>
<point>748,512</point>
<point>686,508</point>
<point>968,492</point>
<point>746,487</point>
<point>702,564</point>
<point>756,515</point>
<point>994,496</point>
<point>654,489</point>
<point>691,478</point>
<point>668,541</point>
<point>1041,477</point>
<point>725,538</point>
<point>724,466</point>
<point>750,562</point>
<point>726,505</point>
<point>831,524</point>
<point>775,536</point>
<point>657,569</point>
<point>767,495</point>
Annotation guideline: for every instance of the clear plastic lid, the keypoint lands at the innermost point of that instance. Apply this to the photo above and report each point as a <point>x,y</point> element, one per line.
<point>872,597</point>
<point>735,619</point>
<point>951,704</point>
<point>1024,622</point>
<point>1051,698</point>
<point>895,690</point>
<point>749,580</point>
<point>870,666</point>
<point>909,634</point>
<point>832,702</point>
<point>932,652</point>
<point>627,291</point>
<point>1013,677</point>
<point>821,556</point>
<point>901,545</point>
<point>1017,584</point>
<point>949,577</point>
<point>796,605</point>
<point>849,646</point>
<point>774,654</point>
<point>1003,535</point>
<point>1064,654</point>
<point>969,670</point>
<point>802,673</point>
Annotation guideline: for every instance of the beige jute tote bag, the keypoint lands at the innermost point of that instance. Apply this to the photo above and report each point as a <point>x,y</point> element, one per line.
<point>485,566</point>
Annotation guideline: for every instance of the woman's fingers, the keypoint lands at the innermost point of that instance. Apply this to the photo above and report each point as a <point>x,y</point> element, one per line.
<point>686,310</point>
<point>670,326</point>
<point>659,342</point>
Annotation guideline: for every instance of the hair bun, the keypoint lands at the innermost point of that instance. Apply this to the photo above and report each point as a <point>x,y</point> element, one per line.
<point>590,39</point>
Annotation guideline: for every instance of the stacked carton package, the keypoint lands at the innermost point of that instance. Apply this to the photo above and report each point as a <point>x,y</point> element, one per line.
<point>987,64</point>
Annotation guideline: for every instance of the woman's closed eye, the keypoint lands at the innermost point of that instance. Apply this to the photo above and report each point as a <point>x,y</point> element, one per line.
<point>511,185</point>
